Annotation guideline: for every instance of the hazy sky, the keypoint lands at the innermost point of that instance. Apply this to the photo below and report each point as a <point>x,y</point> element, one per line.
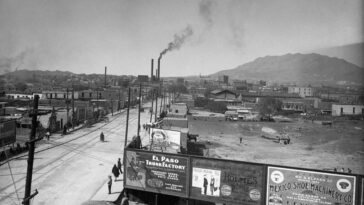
<point>83,36</point>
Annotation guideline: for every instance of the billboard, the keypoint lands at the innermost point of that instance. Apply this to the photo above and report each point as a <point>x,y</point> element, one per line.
<point>294,186</point>
<point>157,172</point>
<point>165,140</point>
<point>227,181</point>
<point>7,132</point>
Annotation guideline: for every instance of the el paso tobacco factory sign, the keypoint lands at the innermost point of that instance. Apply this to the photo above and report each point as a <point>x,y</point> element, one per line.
<point>162,173</point>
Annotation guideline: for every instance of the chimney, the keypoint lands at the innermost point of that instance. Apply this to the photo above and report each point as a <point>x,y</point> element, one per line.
<point>151,70</point>
<point>105,75</point>
<point>159,68</point>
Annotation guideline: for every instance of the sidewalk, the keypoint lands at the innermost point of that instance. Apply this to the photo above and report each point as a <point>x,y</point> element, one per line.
<point>103,195</point>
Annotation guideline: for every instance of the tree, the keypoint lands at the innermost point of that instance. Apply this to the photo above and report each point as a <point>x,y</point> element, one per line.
<point>20,86</point>
<point>219,107</point>
<point>269,106</point>
<point>177,88</point>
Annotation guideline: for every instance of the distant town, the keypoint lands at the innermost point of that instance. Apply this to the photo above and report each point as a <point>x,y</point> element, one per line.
<point>188,131</point>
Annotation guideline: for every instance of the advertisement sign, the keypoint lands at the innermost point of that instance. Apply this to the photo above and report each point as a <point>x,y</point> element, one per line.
<point>293,186</point>
<point>227,181</point>
<point>165,139</point>
<point>157,172</point>
<point>7,132</point>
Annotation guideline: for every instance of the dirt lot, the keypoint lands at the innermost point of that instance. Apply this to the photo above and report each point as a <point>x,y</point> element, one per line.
<point>312,144</point>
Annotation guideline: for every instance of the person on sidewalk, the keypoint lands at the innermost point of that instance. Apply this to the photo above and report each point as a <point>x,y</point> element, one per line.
<point>109,184</point>
<point>125,199</point>
<point>119,166</point>
<point>115,171</point>
<point>102,137</point>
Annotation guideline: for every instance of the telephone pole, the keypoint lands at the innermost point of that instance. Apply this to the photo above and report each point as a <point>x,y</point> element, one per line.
<point>156,107</point>
<point>151,112</point>
<point>32,140</point>
<point>127,120</point>
<point>140,102</point>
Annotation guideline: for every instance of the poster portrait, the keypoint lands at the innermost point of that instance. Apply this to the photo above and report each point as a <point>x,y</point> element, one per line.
<point>224,181</point>
<point>165,139</point>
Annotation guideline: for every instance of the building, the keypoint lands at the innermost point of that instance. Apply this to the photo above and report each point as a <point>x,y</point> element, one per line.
<point>223,79</point>
<point>21,96</point>
<point>180,81</point>
<point>143,78</point>
<point>301,91</point>
<point>223,94</point>
<point>2,108</point>
<point>340,110</point>
<point>59,94</point>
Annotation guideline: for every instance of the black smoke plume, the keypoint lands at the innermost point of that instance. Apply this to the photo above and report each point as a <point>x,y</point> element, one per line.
<point>178,41</point>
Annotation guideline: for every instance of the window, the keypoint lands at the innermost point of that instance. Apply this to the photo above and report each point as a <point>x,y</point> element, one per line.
<point>90,95</point>
<point>83,94</point>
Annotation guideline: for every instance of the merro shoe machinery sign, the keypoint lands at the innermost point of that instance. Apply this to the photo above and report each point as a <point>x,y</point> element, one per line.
<point>293,186</point>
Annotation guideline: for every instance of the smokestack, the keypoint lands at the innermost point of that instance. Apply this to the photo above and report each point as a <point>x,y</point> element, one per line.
<point>159,68</point>
<point>151,71</point>
<point>105,75</point>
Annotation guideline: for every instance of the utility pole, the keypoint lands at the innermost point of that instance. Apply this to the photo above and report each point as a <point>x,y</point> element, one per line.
<point>67,103</point>
<point>164,99</point>
<point>32,140</point>
<point>119,101</point>
<point>73,106</point>
<point>156,107</point>
<point>151,113</point>
<point>127,120</point>
<point>97,101</point>
<point>140,102</point>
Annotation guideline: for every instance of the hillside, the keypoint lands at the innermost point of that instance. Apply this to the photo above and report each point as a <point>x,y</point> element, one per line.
<point>352,53</point>
<point>298,68</point>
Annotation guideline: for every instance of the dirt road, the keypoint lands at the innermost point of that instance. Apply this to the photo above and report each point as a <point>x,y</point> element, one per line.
<point>70,169</point>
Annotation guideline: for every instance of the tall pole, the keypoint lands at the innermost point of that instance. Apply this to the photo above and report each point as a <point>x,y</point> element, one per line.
<point>119,101</point>
<point>160,91</point>
<point>28,183</point>
<point>97,102</point>
<point>151,113</point>
<point>156,107</point>
<point>67,103</point>
<point>127,120</point>
<point>164,99</point>
<point>73,107</point>
<point>140,102</point>
<point>105,75</point>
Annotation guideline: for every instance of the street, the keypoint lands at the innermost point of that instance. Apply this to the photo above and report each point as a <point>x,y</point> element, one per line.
<point>70,169</point>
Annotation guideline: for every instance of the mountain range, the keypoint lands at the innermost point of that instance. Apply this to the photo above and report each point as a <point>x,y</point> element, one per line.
<point>353,53</point>
<point>298,68</point>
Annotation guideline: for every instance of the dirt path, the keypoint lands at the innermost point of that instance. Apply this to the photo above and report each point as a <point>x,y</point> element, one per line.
<point>312,145</point>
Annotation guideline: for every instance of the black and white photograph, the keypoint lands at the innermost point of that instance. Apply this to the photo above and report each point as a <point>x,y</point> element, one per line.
<point>180,102</point>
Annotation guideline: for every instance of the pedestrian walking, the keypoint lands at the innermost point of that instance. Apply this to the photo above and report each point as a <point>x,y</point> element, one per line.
<point>102,137</point>
<point>48,134</point>
<point>115,171</point>
<point>241,140</point>
<point>125,199</point>
<point>119,166</point>
<point>109,184</point>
